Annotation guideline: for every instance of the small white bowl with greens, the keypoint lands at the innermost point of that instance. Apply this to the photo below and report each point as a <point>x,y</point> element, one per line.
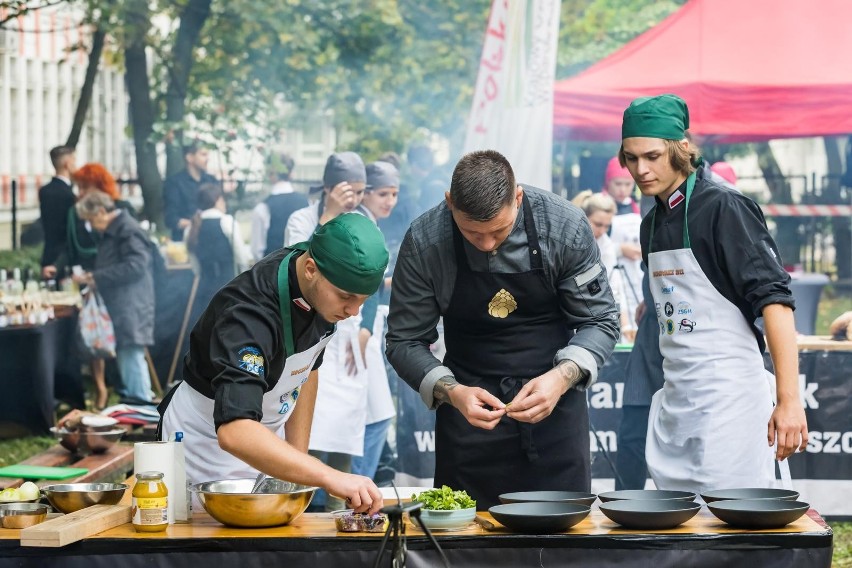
<point>445,509</point>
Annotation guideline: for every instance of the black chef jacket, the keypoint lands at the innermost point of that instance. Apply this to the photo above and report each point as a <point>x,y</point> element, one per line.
<point>731,243</point>
<point>244,317</point>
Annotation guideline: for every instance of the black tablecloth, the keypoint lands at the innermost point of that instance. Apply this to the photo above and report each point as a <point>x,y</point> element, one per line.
<point>38,365</point>
<point>510,551</point>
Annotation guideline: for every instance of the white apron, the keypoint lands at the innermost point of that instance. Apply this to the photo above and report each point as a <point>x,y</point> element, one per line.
<point>340,413</point>
<point>708,424</point>
<point>191,412</point>
<point>379,400</point>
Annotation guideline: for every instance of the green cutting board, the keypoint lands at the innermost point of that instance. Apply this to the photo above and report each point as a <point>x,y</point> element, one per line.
<point>41,472</point>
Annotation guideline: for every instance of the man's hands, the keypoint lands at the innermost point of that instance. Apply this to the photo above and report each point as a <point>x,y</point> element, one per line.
<point>48,272</point>
<point>481,408</point>
<point>535,401</point>
<point>538,398</point>
<point>358,491</point>
<point>789,427</point>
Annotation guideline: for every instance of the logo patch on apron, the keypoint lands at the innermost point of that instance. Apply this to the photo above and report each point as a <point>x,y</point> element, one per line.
<point>502,304</point>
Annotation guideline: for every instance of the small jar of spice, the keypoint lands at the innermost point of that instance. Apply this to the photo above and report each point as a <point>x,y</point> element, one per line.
<point>150,503</point>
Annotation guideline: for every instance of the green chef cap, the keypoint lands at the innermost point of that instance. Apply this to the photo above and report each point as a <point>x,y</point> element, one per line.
<point>350,252</point>
<point>663,116</point>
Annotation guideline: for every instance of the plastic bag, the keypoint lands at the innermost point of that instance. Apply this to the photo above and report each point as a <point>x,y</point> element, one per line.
<point>96,327</point>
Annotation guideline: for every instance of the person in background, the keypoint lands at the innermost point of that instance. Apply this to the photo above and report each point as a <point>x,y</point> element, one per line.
<point>55,200</point>
<point>249,394</point>
<point>379,201</point>
<point>600,210</point>
<point>123,275</point>
<point>180,191</point>
<point>342,392</point>
<point>269,217</point>
<point>216,244</point>
<point>724,174</point>
<point>625,236</point>
<point>81,246</point>
<point>714,269</point>
<point>513,271</point>
<point>619,186</point>
<point>343,182</point>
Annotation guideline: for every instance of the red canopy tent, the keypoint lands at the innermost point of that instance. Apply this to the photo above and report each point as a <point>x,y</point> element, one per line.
<point>748,69</point>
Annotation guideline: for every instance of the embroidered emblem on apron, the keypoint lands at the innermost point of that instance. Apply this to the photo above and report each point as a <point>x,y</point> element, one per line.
<point>502,304</point>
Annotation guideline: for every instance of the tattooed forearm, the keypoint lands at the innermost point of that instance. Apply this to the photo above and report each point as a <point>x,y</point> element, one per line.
<point>569,372</point>
<point>442,389</point>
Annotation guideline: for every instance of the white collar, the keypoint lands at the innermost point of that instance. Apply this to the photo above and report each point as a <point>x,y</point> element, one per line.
<point>212,213</point>
<point>64,179</point>
<point>282,187</point>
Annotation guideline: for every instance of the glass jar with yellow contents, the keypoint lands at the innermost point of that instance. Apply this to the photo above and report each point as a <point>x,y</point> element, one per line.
<point>150,502</point>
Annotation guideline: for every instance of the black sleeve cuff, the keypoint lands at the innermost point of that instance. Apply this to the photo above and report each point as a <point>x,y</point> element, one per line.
<point>235,401</point>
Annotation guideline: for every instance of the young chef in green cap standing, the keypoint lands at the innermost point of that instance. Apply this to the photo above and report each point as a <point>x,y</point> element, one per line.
<point>254,353</point>
<point>714,269</point>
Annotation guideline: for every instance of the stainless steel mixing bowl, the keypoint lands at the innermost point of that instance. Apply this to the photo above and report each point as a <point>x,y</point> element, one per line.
<point>86,442</point>
<point>232,503</point>
<point>70,497</point>
<point>21,515</point>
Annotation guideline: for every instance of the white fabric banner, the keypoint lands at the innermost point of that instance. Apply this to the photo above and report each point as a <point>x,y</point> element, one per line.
<point>513,102</point>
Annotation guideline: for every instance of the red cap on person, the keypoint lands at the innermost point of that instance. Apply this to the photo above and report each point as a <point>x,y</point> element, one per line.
<point>724,171</point>
<point>614,170</point>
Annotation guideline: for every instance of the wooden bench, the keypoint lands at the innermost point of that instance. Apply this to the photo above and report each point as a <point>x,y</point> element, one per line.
<point>116,460</point>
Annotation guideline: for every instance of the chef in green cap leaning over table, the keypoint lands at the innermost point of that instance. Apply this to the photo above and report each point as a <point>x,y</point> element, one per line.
<point>714,269</point>
<point>254,353</point>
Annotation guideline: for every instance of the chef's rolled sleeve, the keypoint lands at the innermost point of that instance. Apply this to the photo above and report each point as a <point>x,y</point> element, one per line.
<point>587,303</point>
<point>241,332</point>
<point>761,279</point>
<point>412,323</point>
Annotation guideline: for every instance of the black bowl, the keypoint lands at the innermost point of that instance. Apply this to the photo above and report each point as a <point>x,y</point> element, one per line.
<point>649,514</point>
<point>758,513</point>
<point>539,517</point>
<point>751,493</point>
<point>646,495</point>
<point>577,497</point>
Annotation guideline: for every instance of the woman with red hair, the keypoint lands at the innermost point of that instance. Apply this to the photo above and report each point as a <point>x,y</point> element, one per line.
<point>82,246</point>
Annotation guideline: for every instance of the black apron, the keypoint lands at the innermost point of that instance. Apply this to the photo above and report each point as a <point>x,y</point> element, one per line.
<point>500,353</point>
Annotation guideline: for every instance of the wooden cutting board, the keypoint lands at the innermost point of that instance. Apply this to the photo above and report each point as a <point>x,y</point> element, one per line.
<point>75,526</point>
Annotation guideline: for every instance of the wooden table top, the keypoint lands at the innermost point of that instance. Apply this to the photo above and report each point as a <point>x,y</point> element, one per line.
<point>321,525</point>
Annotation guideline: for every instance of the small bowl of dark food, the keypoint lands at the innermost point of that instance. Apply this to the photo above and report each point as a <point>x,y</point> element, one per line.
<point>758,513</point>
<point>649,514</point>
<point>646,495</point>
<point>21,515</point>
<point>577,497</point>
<point>539,517</point>
<point>749,493</point>
<point>347,520</point>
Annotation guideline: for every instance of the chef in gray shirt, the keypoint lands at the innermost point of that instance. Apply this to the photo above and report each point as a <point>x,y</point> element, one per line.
<point>528,318</point>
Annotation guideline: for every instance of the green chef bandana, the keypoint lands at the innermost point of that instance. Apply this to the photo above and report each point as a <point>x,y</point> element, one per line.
<point>663,116</point>
<point>350,252</point>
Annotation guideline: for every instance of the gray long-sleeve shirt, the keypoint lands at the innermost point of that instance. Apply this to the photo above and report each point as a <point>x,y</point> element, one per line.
<point>425,275</point>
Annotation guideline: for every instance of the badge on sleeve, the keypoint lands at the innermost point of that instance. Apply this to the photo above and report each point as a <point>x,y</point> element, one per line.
<point>251,360</point>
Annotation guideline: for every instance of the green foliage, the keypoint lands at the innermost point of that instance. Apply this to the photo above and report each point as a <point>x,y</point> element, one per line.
<point>444,499</point>
<point>593,29</point>
<point>23,258</point>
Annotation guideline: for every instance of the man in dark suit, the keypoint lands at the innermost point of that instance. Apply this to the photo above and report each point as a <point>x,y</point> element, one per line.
<point>55,199</point>
<point>180,191</point>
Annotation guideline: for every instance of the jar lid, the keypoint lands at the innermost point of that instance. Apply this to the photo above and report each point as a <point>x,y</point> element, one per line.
<point>149,475</point>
